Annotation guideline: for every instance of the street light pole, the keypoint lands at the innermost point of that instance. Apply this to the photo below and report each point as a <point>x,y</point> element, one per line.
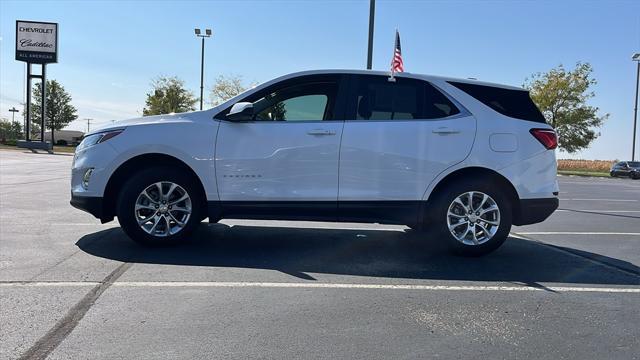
<point>203,36</point>
<point>201,73</point>
<point>636,58</point>
<point>372,14</point>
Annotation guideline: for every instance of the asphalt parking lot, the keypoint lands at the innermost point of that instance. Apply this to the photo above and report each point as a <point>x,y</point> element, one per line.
<point>71,287</point>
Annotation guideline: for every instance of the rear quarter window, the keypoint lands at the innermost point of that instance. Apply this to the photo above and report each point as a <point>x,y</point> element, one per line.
<point>512,103</point>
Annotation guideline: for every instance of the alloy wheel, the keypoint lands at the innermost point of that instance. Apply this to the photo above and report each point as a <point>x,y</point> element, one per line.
<point>473,218</point>
<point>163,209</point>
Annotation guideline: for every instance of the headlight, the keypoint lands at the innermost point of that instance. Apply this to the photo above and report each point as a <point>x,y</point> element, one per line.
<point>97,138</point>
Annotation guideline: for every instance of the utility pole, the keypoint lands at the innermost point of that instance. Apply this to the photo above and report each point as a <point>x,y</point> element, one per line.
<point>89,120</point>
<point>203,36</point>
<point>372,14</point>
<point>14,111</point>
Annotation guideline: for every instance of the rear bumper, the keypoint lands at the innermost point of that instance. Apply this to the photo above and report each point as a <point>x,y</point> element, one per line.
<point>90,204</point>
<point>533,211</point>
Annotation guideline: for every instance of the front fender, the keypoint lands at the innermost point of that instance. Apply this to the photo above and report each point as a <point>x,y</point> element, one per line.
<point>191,143</point>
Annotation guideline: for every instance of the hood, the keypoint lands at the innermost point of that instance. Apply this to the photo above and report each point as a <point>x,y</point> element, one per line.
<point>158,119</point>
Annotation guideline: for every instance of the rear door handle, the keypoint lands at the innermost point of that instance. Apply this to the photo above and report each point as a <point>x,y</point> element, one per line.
<point>445,131</point>
<point>321,132</point>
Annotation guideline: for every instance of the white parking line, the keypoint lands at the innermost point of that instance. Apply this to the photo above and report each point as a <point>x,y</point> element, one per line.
<point>85,224</point>
<point>48,283</point>
<point>576,233</point>
<point>619,200</point>
<point>601,211</point>
<point>215,284</point>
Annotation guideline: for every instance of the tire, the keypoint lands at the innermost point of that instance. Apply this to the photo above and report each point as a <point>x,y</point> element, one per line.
<point>172,219</point>
<point>613,174</point>
<point>483,243</point>
<point>635,175</point>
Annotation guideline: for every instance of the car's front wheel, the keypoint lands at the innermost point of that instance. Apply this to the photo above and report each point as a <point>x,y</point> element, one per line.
<point>472,217</point>
<point>159,206</point>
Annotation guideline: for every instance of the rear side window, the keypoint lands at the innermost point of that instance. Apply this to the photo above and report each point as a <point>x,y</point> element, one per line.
<point>376,98</point>
<point>436,104</point>
<point>512,103</point>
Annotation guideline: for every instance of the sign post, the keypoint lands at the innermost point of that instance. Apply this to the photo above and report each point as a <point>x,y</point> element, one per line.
<point>36,43</point>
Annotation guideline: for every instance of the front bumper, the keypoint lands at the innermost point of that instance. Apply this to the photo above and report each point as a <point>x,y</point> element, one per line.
<point>532,211</point>
<point>91,204</point>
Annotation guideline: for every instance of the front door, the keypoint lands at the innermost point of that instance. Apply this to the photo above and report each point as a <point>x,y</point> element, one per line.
<point>285,160</point>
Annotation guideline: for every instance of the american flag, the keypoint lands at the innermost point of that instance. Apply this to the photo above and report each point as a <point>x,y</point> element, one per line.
<point>396,64</point>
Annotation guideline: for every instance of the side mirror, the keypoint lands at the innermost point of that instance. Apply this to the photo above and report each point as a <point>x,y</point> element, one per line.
<point>242,111</point>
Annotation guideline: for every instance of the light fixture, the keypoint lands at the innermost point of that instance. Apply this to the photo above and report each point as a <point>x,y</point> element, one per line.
<point>86,177</point>
<point>197,31</point>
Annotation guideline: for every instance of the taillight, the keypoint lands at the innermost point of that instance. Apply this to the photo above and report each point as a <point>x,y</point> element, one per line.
<point>547,137</point>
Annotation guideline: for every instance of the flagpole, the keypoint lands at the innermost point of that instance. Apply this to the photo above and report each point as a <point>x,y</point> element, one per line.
<point>392,77</point>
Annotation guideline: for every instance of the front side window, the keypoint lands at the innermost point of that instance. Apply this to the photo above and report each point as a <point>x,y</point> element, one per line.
<point>376,98</point>
<point>298,103</point>
<point>298,99</point>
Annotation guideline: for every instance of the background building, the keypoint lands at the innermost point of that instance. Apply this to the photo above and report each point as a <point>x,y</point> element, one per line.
<point>71,137</point>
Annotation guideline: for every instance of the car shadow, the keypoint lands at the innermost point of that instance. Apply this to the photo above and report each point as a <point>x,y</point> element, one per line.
<point>301,252</point>
<point>48,153</point>
<point>601,213</point>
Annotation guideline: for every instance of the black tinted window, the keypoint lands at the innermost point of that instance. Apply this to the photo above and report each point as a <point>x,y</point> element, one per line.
<point>512,103</point>
<point>376,98</point>
<point>436,104</point>
<point>634,164</point>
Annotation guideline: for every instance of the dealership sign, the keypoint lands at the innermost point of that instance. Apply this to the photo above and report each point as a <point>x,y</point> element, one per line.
<point>36,42</point>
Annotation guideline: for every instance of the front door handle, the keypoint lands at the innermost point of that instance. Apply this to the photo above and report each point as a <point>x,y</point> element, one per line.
<point>445,131</point>
<point>321,132</point>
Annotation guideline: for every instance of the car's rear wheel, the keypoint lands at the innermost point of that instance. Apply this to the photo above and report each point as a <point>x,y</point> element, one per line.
<point>612,173</point>
<point>472,218</point>
<point>159,206</point>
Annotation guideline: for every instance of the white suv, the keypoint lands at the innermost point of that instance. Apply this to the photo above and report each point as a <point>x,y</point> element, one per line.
<point>463,158</point>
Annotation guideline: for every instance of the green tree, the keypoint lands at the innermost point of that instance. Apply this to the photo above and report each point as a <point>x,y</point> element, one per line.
<point>10,130</point>
<point>59,111</point>
<point>562,97</point>
<point>168,95</point>
<point>225,88</point>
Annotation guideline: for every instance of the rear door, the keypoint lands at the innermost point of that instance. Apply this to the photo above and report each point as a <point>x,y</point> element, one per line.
<point>397,138</point>
<point>285,160</point>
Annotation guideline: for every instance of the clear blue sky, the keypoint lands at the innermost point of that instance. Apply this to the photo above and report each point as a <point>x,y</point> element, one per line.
<point>110,50</point>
